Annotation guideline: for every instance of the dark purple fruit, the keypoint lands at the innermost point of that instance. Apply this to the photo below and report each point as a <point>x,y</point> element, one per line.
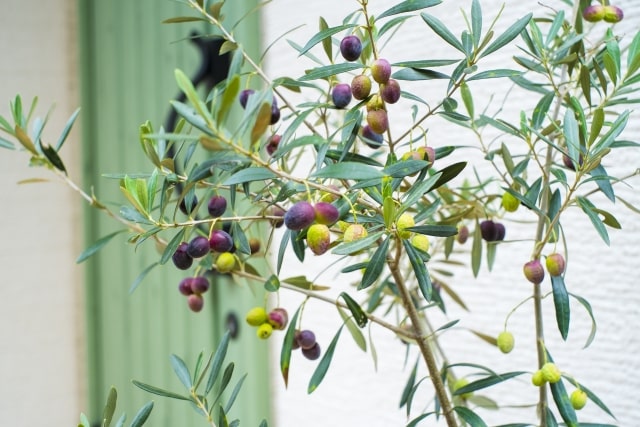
<point>360,87</point>
<point>306,339</point>
<point>195,302</point>
<point>488,230</point>
<point>500,231</point>
<point>372,139</point>
<point>277,212</point>
<point>181,258</point>
<point>244,97</point>
<point>275,112</point>
<point>187,210</point>
<point>341,95</point>
<point>391,91</point>
<point>185,286</point>
<point>220,241</point>
<point>217,206</point>
<point>326,213</point>
<point>199,285</point>
<point>351,48</point>
<point>299,216</point>
<point>273,143</point>
<point>312,353</point>
<point>381,70</point>
<point>198,247</point>
<point>463,234</point>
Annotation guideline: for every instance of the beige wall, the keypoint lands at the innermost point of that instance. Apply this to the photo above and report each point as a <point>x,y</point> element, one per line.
<point>41,360</point>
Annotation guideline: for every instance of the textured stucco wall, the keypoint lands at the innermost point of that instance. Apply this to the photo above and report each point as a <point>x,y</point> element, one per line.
<point>41,363</point>
<point>353,393</point>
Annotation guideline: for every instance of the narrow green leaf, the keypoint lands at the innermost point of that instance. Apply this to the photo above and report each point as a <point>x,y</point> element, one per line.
<point>109,407</point>
<point>353,329</point>
<point>272,284</point>
<point>326,42</point>
<point>594,326</point>
<point>228,98</point>
<point>596,125</point>
<point>287,346</point>
<point>506,37</point>
<point>561,303</point>
<point>181,370</point>
<point>303,283</point>
<point>181,19</point>
<point>467,99</point>
<point>425,63</point>
<point>330,70</point>
<point>263,120</point>
<point>409,386</point>
<point>405,168</point>
<point>357,245</point>
<point>563,403</point>
<point>355,309</point>
<point>541,109</point>
<point>417,191</point>
<point>67,128</point>
<point>409,6</point>
<point>234,393</point>
<point>595,399</point>
<point>141,277</point>
<point>435,230</point>
<point>448,173</point>
<point>494,74</point>
<point>172,246</point>
<point>218,359</point>
<point>121,420</point>
<point>417,74</point>
<point>192,117</point>
<point>420,270</point>
<point>158,391</point>
<point>142,415</point>
<point>348,170</point>
<point>570,130</point>
<point>24,139</point>
<point>99,244</point>
<point>476,21</point>
<point>324,35</point>
<point>282,249</point>
<point>186,86</point>
<point>476,250</point>
<point>227,46</point>
<point>375,267</point>
<point>250,174</point>
<point>589,210</point>
<point>441,30</point>
<point>488,381</point>
<point>469,416</point>
<point>323,366</point>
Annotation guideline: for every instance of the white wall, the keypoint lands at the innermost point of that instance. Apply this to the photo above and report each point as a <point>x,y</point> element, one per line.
<point>41,361</point>
<point>353,393</point>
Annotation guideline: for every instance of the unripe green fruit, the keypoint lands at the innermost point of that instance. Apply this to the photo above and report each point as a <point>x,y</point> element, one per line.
<point>510,203</point>
<point>578,399</point>
<point>537,379</point>
<point>551,373</point>
<point>256,316</point>
<point>264,331</point>
<point>318,238</point>
<point>593,13</point>
<point>534,272</point>
<point>405,221</point>
<point>555,264</point>
<point>225,262</point>
<point>420,241</point>
<point>613,14</point>
<point>505,342</point>
<point>461,382</point>
<point>354,232</point>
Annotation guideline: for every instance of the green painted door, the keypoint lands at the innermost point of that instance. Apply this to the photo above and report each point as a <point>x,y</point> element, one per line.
<point>127,59</point>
